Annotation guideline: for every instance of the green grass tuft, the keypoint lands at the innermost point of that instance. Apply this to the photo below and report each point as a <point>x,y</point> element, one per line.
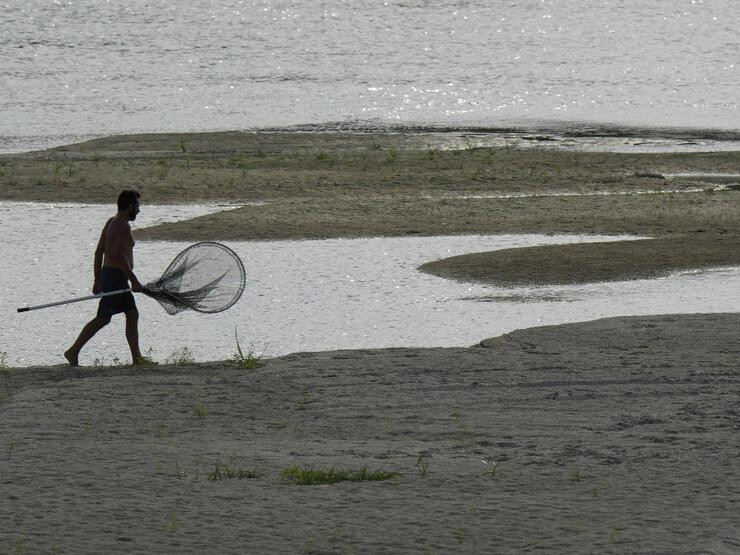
<point>423,466</point>
<point>11,448</point>
<point>147,359</point>
<point>20,547</point>
<point>225,472</point>
<point>199,410</point>
<point>182,357</point>
<point>492,468</point>
<point>310,477</point>
<point>174,522</point>
<point>248,360</point>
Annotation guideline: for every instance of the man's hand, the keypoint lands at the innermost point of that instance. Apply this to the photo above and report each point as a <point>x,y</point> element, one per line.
<point>96,288</point>
<point>136,287</point>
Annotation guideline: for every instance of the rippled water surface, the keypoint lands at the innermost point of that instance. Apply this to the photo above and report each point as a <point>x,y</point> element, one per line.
<point>89,67</point>
<point>301,295</point>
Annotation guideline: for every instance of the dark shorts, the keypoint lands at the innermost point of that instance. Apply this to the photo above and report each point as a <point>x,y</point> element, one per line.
<point>112,279</point>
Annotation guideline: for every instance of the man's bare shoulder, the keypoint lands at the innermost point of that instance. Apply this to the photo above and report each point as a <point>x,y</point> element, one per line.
<point>118,225</point>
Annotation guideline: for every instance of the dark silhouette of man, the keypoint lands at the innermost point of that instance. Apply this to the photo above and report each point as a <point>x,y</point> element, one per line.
<point>114,269</point>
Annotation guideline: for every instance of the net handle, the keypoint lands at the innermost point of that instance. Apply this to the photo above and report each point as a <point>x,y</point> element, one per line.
<point>78,299</point>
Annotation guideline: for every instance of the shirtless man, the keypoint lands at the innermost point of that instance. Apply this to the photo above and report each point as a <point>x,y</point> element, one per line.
<point>113,269</point>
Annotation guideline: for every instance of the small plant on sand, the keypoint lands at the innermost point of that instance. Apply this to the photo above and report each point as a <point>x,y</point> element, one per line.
<point>165,166</point>
<point>102,361</point>
<point>336,535</point>
<point>225,472</point>
<point>614,533</point>
<point>248,360</point>
<point>303,401</point>
<point>326,158</point>
<point>3,360</point>
<point>178,471</point>
<point>174,522</point>
<point>576,476</point>
<point>181,357</point>
<point>310,477</point>
<point>464,430</point>
<point>310,545</point>
<point>11,448</point>
<point>422,465</point>
<point>491,468</point>
<point>147,359</point>
<point>198,409</point>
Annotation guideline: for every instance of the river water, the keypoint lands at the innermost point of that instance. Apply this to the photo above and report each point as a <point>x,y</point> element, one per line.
<point>301,295</point>
<point>71,69</point>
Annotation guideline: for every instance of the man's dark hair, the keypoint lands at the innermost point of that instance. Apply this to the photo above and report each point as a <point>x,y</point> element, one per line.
<point>127,198</point>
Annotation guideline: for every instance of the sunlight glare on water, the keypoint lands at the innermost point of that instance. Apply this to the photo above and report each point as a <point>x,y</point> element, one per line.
<point>93,67</point>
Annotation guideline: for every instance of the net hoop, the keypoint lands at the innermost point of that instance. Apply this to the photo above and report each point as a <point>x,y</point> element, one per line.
<point>173,302</point>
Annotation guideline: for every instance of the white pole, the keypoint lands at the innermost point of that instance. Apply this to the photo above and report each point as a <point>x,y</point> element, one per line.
<point>99,295</point>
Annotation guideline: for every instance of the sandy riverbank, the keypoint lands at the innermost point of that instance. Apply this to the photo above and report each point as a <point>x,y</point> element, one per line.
<point>311,185</point>
<point>618,435</point>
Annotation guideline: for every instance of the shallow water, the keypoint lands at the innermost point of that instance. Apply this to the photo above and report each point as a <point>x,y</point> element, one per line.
<point>91,67</point>
<point>302,295</point>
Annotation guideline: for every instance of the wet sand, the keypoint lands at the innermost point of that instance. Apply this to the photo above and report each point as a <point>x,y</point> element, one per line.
<point>313,185</point>
<point>618,435</point>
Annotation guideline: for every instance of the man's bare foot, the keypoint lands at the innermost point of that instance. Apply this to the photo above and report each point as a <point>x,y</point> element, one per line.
<point>71,358</point>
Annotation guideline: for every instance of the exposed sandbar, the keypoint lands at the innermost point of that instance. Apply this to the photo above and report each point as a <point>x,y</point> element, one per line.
<point>317,185</point>
<point>592,262</point>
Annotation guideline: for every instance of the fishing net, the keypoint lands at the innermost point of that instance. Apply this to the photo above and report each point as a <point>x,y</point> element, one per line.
<point>205,277</point>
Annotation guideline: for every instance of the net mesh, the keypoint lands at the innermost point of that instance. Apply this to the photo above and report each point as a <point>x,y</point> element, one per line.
<point>206,277</point>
